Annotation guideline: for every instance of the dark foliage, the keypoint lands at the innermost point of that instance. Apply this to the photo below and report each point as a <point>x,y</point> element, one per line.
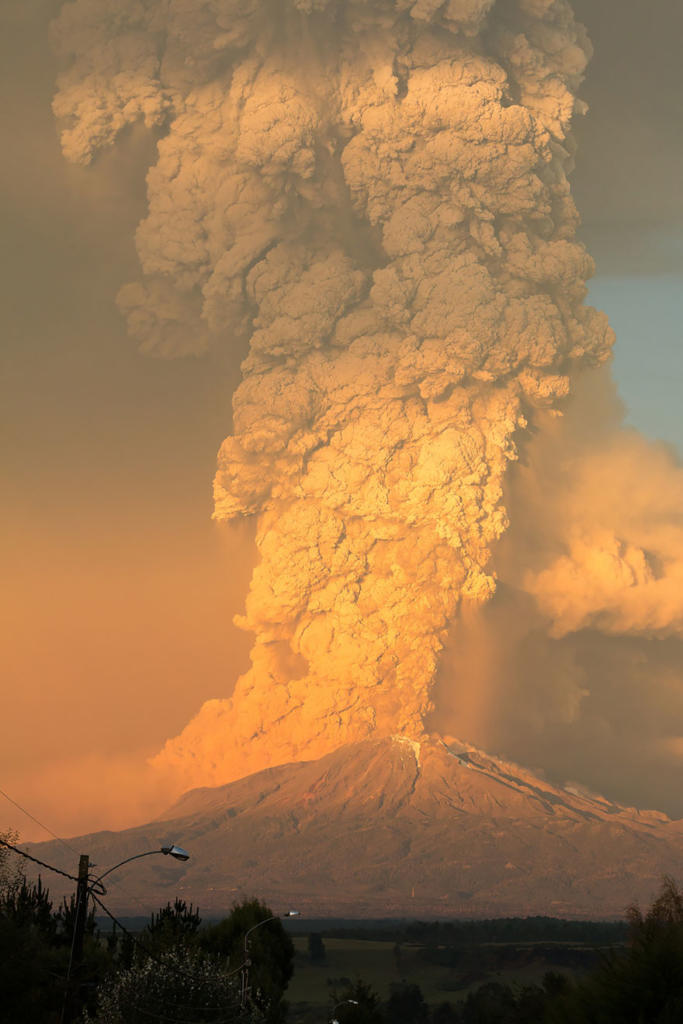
<point>175,926</point>
<point>182,984</point>
<point>35,945</point>
<point>406,1005</point>
<point>269,957</point>
<point>445,1013</point>
<point>496,1003</point>
<point>504,929</point>
<point>644,983</point>
<point>316,948</point>
<point>356,1003</point>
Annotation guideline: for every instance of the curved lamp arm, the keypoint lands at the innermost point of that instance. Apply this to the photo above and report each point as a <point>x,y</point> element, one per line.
<point>344,1002</point>
<point>275,917</point>
<point>246,963</point>
<point>175,851</point>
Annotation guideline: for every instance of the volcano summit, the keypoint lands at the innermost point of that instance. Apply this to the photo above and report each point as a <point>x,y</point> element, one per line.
<point>393,827</point>
<point>367,203</point>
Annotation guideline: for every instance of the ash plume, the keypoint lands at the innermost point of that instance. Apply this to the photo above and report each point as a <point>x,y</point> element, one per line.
<point>575,665</point>
<point>370,199</point>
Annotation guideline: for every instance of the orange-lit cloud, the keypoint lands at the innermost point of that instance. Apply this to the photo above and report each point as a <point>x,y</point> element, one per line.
<point>597,533</point>
<point>620,569</point>
<point>376,196</point>
<point>576,663</point>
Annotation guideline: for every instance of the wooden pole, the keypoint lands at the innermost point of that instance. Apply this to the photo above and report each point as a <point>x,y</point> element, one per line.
<point>70,1003</point>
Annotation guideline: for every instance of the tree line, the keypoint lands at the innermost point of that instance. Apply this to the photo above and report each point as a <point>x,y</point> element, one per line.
<point>175,970</point>
<point>179,971</point>
<point>501,929</point>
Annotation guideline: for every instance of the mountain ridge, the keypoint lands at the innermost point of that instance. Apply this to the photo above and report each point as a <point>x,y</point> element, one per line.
<point>399,827</point>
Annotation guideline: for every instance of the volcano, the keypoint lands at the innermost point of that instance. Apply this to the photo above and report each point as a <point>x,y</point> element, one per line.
<point>392,827</point>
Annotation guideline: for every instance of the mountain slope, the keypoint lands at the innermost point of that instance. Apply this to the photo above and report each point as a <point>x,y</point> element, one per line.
<point>392,827</point>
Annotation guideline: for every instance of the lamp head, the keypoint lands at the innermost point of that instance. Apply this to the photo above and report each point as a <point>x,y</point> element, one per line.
<point>175,851</point>
<point>291,913</point>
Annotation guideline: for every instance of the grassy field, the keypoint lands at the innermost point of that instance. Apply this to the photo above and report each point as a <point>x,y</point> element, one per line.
<point>382,964</point>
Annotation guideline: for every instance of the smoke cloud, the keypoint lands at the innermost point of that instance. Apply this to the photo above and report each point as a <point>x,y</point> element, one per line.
<point>368,201</point>
<point>597,533</point>
<point>575,664</point>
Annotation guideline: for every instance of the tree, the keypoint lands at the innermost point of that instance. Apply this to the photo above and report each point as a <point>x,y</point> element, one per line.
<point>174,926</point>
<point>357,1003</point>
<point>11,874</point>
<point>32,966</point>
<point>35,942</point>
<point>270,952</point>
<point>180,984</point>
<point>406,1005</point>
<point>445,1013</point>
<point>316,948</point>
<point>643,983</point>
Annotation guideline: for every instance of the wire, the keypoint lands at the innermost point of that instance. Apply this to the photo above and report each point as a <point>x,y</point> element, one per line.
<point>150,954</point>
<point>95,897</point>
<point>131,896</point>
<point>178,971</point>
<point>35,860</point>
<point>40,823</point>
<point>64,843</point>
<point>141,945</point>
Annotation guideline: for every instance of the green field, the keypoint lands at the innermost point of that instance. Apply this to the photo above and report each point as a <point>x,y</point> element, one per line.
<point>382,964</point>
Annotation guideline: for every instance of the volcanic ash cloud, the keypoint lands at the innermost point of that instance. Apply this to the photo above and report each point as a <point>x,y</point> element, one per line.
<point>373,194</point>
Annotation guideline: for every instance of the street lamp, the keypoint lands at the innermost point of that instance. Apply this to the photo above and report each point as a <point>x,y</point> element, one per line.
<point>174,851</point>
<point>86,887</point>
<point>344,1002</point>
<point>247,962</point>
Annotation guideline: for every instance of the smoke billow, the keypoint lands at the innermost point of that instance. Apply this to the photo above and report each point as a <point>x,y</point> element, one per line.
<point>368,199</point>
<point>575,664</point>
<point>607,550</point>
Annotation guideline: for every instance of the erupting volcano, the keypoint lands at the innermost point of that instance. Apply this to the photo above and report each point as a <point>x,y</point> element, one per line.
<point>375,195</point>
<point>367,202</point>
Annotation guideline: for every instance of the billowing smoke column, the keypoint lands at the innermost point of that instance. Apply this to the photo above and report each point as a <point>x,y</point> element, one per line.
<point>375,194</point>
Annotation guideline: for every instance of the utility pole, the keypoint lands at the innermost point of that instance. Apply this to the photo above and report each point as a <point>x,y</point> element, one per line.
<point>76,958</point>
<point>81,910</point>
<point>244,974</point>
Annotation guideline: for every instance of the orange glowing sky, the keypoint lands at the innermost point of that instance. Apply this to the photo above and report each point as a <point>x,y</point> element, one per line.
<point>118,590</point>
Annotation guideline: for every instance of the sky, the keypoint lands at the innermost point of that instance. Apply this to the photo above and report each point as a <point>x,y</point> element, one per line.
<point>119,589</point>
<point>627,188</point>
<point>116,605</point>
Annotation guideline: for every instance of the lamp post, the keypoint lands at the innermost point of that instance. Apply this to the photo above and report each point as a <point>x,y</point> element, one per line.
<point>174,851</point>
<point>246,964</point>
<point>344,1002</point>
<point>85,886</point>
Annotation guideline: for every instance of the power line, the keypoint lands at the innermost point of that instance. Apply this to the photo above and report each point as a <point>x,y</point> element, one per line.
<point>113,881</point>
<point>148,952</point>
<point>174,970</point>
<point>131,896</point>
<point>58,871</point>
<point>34,819</point>
<point>115,920</point>
<point>50,867</point>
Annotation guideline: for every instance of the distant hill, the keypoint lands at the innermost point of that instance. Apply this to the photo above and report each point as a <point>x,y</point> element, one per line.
<point>390,828</point>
